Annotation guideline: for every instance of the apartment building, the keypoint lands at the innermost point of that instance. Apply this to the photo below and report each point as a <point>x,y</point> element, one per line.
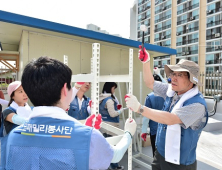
<point>192,27</point>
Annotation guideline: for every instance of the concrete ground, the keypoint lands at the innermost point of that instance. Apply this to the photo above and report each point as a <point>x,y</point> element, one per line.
<point>209,151</point>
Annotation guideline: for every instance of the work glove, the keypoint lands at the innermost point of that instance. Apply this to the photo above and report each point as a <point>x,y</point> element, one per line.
<point>132,102</point>
<point>79,84</point>
<point>90,103</point>
<point>119,106</point>
<point>156,71</point>
<point>130,126</point>
<point>144,56</point>
<point>90,121</point>
<point>143,136</point>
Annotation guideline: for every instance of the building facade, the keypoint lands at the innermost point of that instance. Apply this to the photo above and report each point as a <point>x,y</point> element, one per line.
<point>192,27</point>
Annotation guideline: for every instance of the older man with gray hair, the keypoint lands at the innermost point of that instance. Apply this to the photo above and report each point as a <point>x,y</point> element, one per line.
<point>183,117</point>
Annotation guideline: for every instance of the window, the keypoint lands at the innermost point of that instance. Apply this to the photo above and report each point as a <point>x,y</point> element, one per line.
<point>194,59</point>
<point>148,14</point>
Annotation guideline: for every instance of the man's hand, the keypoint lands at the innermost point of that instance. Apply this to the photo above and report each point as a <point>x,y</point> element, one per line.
<point>130,126</point>
<point>90,119</point>
<point>144,56</point>
<point>143,136</point>
<point>79,84</point>
<point>132,102</point>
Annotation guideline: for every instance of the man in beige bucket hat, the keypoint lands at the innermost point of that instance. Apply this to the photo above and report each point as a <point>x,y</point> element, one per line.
<point>182,118</point>
<point>185,66</point>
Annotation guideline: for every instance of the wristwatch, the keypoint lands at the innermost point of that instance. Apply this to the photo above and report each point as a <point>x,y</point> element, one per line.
<point>141,109</point>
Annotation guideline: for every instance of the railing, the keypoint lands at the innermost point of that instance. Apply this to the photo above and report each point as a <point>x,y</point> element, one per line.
<point>213,36</point>
<point>188,19</point>
<point>212,11</point>
<point>212,83</point>
<point>180,1</point>
<point>210,1</point>
<point>144,9</point>
<point>163,9</point>
<point>162,37</point>
<point>214,23</point>
<point>163,18</point>
<point>144,1</point>
<point>187,9</point>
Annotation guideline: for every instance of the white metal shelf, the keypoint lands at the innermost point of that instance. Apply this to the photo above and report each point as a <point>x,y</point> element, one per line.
<point>94,77</point>
<point>102,78</point>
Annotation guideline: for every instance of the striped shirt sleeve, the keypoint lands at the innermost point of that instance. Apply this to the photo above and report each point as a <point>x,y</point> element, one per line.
<point>191,115</point>
<point>160,89</point>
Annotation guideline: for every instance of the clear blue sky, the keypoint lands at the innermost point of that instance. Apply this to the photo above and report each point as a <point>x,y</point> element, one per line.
<point>110,15</point>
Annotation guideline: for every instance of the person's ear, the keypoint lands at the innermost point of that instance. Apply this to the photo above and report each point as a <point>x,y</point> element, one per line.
<point>64,89</point>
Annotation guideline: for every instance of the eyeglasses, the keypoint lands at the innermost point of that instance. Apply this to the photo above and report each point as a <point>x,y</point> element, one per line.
<point>179,75</point>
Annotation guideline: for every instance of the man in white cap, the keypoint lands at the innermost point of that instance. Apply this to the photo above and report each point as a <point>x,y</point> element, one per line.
<point>183,117</point>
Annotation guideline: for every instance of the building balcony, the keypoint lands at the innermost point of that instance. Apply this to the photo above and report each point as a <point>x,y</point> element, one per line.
<point>145,34</point>
<point>214,23</point>
<point>187,9</point>
<point>208,1</point>
<point>163,18</point>
<point>162,28</point>
<point>180,1</point>
<point>187,42</point>
<point>213,11</point>
<point>192,41</point>
<point>185,53</point>
<point>158,29</point>
<point>187,31</point>
<point>144,1</point>
<point>164,8</point>
<point>141,19</point>
<point>162,37</point>
<point>217,61</point>
<point>144,9</point>
<point>213,36</point>
<point>215,48</point>
<point>192,18</point>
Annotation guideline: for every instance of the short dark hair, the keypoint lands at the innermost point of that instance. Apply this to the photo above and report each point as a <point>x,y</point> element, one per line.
<point>157,77</point>
<point>43,79</point>
<point>108,86</point>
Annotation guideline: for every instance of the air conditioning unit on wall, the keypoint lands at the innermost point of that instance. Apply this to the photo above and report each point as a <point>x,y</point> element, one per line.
<point>217,35</point>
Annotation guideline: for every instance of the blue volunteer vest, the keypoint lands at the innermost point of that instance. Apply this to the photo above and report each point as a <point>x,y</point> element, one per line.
<point>189,137</point>
<point>48,143</point>
<point>104,111</point>
<point>2,128</point>
<point>154,102</point>
<point>74,111</point>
